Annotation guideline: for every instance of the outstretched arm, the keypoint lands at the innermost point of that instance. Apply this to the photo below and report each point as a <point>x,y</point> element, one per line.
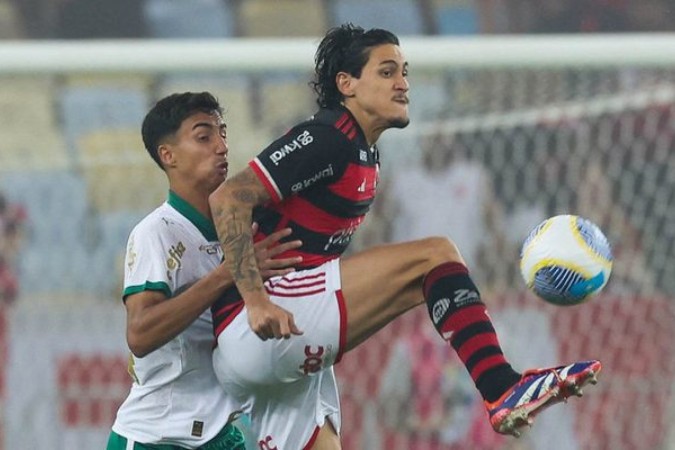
<point>232,209</point>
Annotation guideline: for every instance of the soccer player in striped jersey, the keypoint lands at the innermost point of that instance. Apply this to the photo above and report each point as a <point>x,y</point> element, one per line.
<point>173,273</point>
<point>320,179</point>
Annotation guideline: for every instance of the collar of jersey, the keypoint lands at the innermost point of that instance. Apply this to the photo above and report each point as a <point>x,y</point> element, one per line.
<point>359,130</point>
<point>204,225</point>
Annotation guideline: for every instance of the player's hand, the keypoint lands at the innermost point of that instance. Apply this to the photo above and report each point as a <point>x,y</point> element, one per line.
<point>267,249</point>
<point>270,321</point>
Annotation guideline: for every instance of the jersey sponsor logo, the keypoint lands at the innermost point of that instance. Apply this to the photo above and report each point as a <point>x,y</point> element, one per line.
<point>363,155</point>
<point>327,172</point>
<point>440,308</point>
<point>341,237</point>
<point>173,262</point>
<point>466,296</point>
<point>267,444</point>
<point>197,428</point>
<point>302,140</point>
<point>131,368</point>
<point>210,249</point>
<point>313,360</point>
<point>446,331</point>
<point>131,254</point>
<point>362,186</point>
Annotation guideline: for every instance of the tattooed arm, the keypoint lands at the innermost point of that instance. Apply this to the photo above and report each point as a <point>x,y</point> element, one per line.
<point>232,209</point>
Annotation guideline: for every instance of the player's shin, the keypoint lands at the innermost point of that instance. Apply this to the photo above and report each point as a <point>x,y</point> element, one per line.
<point>461,318</point>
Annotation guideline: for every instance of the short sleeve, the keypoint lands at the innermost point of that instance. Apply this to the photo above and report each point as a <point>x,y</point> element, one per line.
<point>147,263</point>
<point>307,155</point>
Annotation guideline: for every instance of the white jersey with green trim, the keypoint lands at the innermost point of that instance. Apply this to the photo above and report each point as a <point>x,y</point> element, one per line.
<point>175,397</point>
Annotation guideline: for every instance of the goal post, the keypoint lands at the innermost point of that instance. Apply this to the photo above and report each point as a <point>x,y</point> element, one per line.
<point>266,54</point>
<point>505,131</point>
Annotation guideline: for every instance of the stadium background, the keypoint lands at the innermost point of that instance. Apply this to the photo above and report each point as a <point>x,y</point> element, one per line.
<point>579,122</point>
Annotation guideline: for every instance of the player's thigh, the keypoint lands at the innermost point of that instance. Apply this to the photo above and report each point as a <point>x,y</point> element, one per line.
<point>243,360</point>
<point>327,439</point>
<point>381,283</point>
<point>287,416</point>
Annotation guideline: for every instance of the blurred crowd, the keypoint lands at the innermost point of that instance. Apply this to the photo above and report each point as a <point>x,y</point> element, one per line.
<point>492,208</point>
<point>81,19</point>
<point>488,211</point>
<point>12,223</point>
<point>621,180</point>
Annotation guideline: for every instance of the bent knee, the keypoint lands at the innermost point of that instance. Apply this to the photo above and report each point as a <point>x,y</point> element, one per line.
<point>439,250</point>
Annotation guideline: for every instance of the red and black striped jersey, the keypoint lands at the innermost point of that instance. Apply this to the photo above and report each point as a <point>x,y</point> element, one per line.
<point>322,177</point>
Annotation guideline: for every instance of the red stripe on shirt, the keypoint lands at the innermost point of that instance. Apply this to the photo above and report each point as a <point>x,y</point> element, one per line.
<point>356,175</point>
<point>347,126</point>
<point>262,175</point>
<point>297,284</point>
<point>342,120</point>
<point>305,214</point>
<point>304,277</point>
<point>297,293</point>
<point>310,259</point>
<point>226,309</point>
<point>239,307</point>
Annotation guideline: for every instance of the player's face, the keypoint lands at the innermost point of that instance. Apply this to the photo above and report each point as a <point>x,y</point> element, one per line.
<point>382,90</point>
<point>199,150</point>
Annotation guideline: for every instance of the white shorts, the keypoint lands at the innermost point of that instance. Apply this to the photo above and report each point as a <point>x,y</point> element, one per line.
<point>288,385</point>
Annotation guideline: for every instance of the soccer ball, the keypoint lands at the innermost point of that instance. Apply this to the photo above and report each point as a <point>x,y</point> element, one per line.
<point>565,260</point>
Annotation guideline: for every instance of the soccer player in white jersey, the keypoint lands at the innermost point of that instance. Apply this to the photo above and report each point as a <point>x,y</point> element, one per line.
<point>173,273</point>
<point>319,179</point>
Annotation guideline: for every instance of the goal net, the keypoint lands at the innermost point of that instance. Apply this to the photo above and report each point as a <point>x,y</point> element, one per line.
<point>504,133</point>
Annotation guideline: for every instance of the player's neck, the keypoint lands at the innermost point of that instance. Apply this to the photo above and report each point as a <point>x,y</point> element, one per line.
<point>196,199</point>
<point>367,123</point>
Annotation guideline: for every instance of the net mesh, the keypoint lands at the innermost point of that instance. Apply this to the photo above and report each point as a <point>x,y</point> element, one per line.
<point>532,144</point>
<point>489,154</point>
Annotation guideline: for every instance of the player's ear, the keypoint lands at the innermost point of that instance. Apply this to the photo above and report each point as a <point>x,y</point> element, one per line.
<point>166,155</point>
<point>345,84</point>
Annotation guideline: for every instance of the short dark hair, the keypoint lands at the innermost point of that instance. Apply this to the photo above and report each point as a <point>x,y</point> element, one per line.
<point>166,117</point>
<point>344,49</point>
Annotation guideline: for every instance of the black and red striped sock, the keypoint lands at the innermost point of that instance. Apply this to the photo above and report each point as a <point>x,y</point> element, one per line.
<point>461,318</point>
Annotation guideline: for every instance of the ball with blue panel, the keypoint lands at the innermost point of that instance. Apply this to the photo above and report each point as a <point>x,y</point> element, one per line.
<point>566,259</point>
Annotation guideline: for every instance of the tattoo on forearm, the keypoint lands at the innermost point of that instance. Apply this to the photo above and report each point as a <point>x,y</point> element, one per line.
<point>246,177</point>
<point>237,242</point>
<point>242,255</point>
<point>247,196</point>
<point>233,224</point>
